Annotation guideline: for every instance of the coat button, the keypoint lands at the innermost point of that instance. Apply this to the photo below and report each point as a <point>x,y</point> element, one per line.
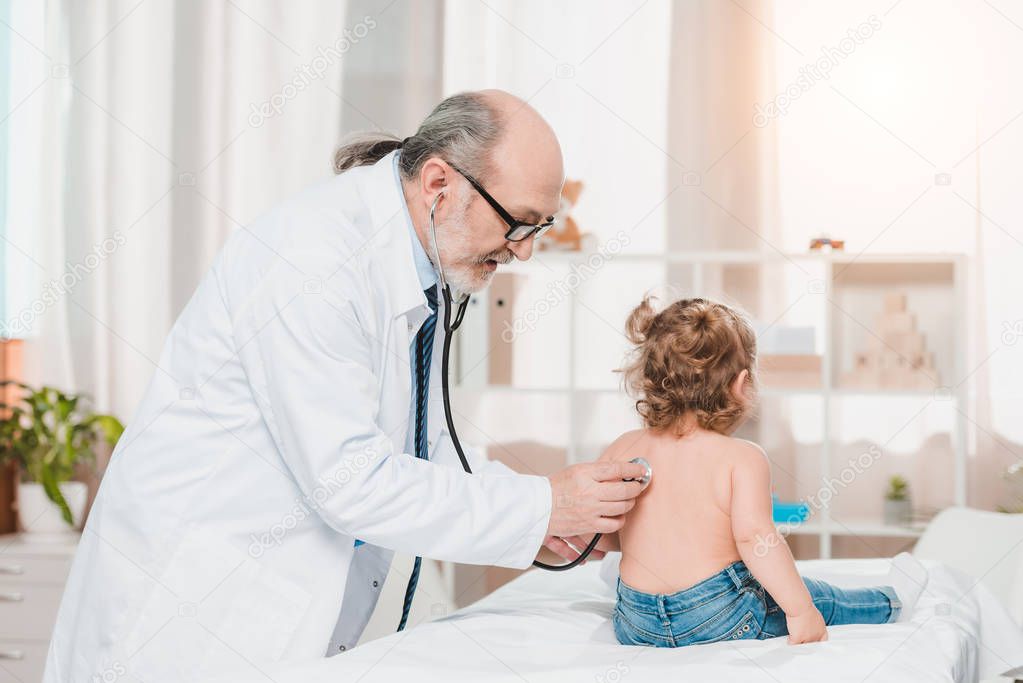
<point>341,648</point>
<point>376,584</point>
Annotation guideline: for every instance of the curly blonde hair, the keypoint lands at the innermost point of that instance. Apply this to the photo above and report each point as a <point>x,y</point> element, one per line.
<point>686,359</point>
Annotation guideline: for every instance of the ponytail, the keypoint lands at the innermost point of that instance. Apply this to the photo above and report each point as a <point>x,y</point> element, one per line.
<point>364,149</point>
<point>463,130</point>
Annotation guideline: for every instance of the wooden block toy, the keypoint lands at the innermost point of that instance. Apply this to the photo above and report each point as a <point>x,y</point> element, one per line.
<point>896,356</point>
<point>790,370</point>
<point>895,323</point>
<point>894,302</point>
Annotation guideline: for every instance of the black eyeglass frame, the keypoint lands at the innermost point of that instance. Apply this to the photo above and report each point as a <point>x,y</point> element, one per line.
<point>515,231</point>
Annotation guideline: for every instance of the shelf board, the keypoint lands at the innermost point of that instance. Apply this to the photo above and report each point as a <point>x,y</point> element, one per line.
<point>861,527</point>
<point>764,391</point>
<point>791,391</point>
<point>889,393</point>
<point>510,389</point>
<point>543,258</point>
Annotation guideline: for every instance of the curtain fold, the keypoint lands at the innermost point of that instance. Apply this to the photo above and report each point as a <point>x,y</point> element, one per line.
<point>394,79</point>
<point>721,66</point>
<point>179,122</point>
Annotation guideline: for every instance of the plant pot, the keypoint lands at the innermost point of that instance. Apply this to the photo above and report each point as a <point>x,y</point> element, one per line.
<point>38,515</point>
<point>898,512</point>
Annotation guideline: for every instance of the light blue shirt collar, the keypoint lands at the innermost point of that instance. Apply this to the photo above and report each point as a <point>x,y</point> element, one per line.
<point>424,267</point>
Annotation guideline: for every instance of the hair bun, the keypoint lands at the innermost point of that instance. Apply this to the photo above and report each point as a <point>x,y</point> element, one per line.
<point>685,364</point>
<point>702,318</point>
<point>637,327</point>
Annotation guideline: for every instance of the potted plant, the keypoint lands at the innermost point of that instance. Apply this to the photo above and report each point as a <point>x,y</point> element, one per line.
<point>49,434</point>
<point>897,506</point>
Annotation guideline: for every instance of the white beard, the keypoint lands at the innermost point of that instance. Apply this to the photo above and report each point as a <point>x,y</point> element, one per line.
<point>456,241</point>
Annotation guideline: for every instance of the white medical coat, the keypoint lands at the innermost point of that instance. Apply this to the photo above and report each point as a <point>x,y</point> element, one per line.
<point>269,438</point>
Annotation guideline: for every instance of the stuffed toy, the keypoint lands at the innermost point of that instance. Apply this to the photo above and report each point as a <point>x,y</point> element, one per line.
<point>565,235</point>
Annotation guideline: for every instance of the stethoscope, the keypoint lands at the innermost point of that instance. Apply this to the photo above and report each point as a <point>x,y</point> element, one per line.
<point>449,327</point>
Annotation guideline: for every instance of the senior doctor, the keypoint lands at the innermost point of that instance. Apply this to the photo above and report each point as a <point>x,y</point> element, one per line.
<point>290,440</point>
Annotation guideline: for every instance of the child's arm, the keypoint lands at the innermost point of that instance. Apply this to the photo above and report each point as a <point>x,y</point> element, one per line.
<point>764,550</point>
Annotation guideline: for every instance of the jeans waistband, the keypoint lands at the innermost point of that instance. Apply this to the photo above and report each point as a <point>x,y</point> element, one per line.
<point>729,579</point>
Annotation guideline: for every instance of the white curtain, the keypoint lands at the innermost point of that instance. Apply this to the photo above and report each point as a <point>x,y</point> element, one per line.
<point>394,79</point>
<point>996,430</point>
<point>722,64</point>
<point>910,144</point>
<point>150,131</point>
<point>168,126</point>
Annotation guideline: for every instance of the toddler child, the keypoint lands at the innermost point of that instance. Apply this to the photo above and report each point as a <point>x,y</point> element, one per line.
<point>702,561</point>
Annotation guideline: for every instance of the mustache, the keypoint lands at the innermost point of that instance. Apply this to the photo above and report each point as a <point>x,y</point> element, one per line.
<point>501,256</point>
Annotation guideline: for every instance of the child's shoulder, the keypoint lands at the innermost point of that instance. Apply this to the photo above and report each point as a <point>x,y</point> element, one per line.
<point>624,444</point>
<point>746,448</point>
<point>745,454</point>
<point>737,452</point>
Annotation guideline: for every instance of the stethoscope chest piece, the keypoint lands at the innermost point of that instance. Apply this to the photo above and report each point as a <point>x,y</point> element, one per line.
<point>645,479</point>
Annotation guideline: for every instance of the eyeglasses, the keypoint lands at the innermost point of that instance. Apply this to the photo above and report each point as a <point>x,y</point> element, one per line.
<point>517,230</point>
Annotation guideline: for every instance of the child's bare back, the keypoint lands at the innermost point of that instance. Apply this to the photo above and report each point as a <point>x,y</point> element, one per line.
<point>680,531</point>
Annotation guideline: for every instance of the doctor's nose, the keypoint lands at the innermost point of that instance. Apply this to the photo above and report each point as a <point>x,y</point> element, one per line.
<point>522,250</point>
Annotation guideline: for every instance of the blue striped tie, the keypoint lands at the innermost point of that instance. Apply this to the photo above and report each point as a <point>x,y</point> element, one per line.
<point>424,352</point>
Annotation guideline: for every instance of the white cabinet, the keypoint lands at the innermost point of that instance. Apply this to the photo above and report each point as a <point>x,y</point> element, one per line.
<point>32,576</point>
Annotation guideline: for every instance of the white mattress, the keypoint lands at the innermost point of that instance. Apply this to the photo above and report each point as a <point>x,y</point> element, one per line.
<point>555,627</point>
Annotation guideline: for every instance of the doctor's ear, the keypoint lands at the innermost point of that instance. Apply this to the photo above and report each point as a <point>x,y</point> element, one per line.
<point>434,178</point>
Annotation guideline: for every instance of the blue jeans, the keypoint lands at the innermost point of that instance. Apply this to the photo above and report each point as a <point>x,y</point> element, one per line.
<point>732,605</point>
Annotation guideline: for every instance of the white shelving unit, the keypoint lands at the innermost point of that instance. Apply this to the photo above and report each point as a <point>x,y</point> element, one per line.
<point>474,343</point>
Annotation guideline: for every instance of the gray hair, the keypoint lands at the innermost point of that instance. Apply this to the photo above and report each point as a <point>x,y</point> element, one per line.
<point>462,130</point>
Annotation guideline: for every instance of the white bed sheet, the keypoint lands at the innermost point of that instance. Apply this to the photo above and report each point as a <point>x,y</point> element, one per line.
<point>555,627</point>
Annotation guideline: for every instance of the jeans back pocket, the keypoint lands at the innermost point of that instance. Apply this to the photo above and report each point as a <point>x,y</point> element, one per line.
<point>745,629</point>
<point>634,627</point>
<point>739,618</point>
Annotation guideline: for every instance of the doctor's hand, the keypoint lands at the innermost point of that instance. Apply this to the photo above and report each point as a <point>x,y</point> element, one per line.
<point>570,548</point>
<point>591,497</point>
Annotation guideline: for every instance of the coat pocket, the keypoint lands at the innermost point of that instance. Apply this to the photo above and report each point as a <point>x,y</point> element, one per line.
<point>216,608</point>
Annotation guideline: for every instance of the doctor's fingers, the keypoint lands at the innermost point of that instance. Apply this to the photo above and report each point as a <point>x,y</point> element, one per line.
<point>618,490</point>
<point>616,471</point>
<point>613,508</point>
<point>569,551</point>
<point>609,525</point>
<point>580,543</point>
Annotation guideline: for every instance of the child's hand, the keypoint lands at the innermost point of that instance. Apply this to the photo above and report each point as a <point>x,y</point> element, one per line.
<point>806,627</point>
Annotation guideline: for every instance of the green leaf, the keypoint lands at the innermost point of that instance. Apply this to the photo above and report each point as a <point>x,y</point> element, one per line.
<point>109,426</point>
<point>49,482</point>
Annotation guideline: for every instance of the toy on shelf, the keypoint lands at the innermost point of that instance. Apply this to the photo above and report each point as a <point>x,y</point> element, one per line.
<point>786,357</point>
<point>790,370</point>
<point>565,234</point>
<point>896,357</point>
<point>826,244</point>
<point>789,513</point>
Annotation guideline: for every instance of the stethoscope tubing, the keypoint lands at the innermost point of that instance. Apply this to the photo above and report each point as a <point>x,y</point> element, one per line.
<point>449,327</point>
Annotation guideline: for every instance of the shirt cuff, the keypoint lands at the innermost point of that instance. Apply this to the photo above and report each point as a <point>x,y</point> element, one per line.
<point>522,552</point>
